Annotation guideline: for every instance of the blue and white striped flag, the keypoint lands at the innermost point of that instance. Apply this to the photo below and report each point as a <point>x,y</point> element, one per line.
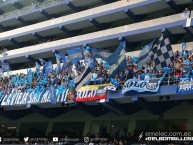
<point>87,52</point>
<point>119,66</point>
<point>43,62</point>
<point>48,67</point>
<point>145,55</point>
<point>58,61</point>
<point>104,53</point>
<point>82,79</point>
<point>99,53</point>
<point>66,62</point>
<point>29,76</point>
<point>37,67</point>
<point>53,98</point>
<point>95,52</point>
<point>75,54</point>
<point>112,59</point>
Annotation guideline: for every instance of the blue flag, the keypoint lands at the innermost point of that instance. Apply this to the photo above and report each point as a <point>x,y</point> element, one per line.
<point>29,76</point>
<point>113,58</point>
<point>119,66</point>
<point>86,52</point>
<point>99,53</point>
<point>75,54</point>
<point>145,55</point>
<point>37,67</point>
<point>48,67</point>
<point>66,62</point>
<point>58,58</point>
<point>52,91</point>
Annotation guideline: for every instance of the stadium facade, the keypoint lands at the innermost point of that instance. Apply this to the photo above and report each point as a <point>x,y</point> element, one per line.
<point>33,29</point>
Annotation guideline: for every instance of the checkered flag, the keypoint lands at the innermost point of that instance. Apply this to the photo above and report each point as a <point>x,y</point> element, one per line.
<point>162,53</point>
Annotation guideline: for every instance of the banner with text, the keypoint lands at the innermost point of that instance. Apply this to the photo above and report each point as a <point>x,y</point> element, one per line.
<point>24,98</point>
<point>92,92</point>
<point>185,85</point>
<point>151,85</point>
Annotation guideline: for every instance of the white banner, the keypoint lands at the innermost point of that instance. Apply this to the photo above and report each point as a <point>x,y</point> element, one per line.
<point>151,85</point>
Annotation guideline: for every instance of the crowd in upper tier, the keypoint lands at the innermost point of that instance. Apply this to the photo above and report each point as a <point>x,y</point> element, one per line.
<point>100,74</point>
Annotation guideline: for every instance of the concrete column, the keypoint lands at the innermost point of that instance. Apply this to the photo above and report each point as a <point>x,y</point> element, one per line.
<point>49,128</point>
<point>160,121</point>
<point>131,126</point>
<point>18,126</point>
<point>86,127</point>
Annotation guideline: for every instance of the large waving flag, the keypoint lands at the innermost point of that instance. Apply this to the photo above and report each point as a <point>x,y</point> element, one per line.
<point>162,53</point>
<point>58,61</point>
<point>119,66</point>
<point>87,52</point>
<point>99,53</point>
<point>113,58</point>
<point>43,62</point>
<point>66,62</point>
<point>104,53</point>
<point>29,76</point>
<point>145,55</point>
<point>95,52</point>
<point>48,67</point>
<point>82,79</point>
<point>37,67</point>
<point>75,54</point>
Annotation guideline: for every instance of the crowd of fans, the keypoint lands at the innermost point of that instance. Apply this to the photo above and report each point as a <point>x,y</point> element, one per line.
<point>100,75</point>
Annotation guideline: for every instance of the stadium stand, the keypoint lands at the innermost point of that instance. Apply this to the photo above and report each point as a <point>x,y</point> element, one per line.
<point>95,72</point>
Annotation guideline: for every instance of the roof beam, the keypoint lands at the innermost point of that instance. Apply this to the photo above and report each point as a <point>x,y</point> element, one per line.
<point>17,113</point>
<point>155,108</point>
<point>43,12</point>
<point>12,40</point>
<point>48,112</point>
<point>68,32</point>
<point>133,16</point>
<point>17,5</point>
<point>93,110</point>
<point>38,36</point>
<point>3,28</point>
<point>65,30</point>
<point>30,58</point>
<point>74,8</point>
<point>98,25</point>
<point>173,38</point>
<point>22,21</point>
<point>189,30</point>
<point>173,5</point>
<point>55,51</point>
<point>144,104</point>
<point>118,108</point>
<point>129,45</point>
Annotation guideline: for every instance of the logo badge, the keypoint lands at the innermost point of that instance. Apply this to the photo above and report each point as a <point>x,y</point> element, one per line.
<point>86,139</point>
<point>26,139</point>
<point>55,139</point>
